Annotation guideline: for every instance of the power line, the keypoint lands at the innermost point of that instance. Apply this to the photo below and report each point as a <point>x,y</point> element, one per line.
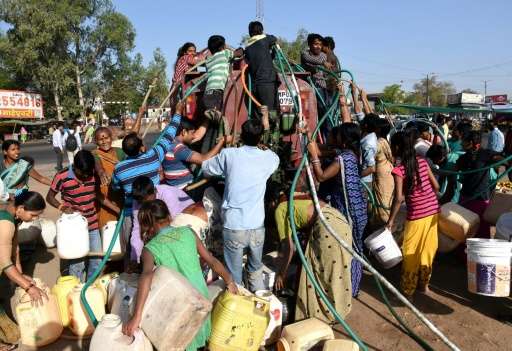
<point>477,69</point>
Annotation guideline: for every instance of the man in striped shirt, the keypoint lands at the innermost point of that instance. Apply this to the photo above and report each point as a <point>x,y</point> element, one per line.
<point>139,163</point>
<point>77,188</point>
<point>217,68</point>
<point>175,165</point>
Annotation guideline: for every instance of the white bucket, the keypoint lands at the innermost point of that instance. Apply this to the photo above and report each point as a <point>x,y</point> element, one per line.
<point>489,263</point>
<point>384,247</point>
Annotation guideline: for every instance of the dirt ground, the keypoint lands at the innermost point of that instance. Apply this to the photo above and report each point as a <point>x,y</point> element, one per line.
<point>471,321</point>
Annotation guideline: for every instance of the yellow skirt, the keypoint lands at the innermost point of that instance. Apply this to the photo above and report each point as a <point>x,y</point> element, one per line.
<point>419,249</point>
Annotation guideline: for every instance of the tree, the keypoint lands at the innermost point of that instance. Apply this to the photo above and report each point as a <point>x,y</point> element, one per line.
<point>99,33</point>
<point>469,91</point>
<point>293,49</point>
<point>437,91</point>
<point>394,94</point>
<point>157,69</point>
<point>36,45</point>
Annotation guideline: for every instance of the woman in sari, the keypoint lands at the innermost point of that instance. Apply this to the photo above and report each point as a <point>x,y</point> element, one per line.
<point>347,189</point>
<point>15,171</point>
<point>383,182</point>
<point>106,158</point>
<point>25,207</point>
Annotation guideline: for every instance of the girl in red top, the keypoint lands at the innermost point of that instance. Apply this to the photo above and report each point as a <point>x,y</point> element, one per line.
<point>416,184</point>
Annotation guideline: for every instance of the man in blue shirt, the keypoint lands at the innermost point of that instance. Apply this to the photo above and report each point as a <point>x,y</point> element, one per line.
<point>139,163</point>
<point>246,170</point>
<point>496,138</point>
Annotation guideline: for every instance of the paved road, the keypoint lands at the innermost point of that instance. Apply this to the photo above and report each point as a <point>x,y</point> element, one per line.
<point>42,152</point>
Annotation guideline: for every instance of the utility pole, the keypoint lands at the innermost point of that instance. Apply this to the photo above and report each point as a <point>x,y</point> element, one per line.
<point>428,87</point>
<point>485,87</point>
<point>428,98</point>
<point>259,11</point>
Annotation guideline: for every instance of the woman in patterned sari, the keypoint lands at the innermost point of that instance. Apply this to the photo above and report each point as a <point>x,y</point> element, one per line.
<point>347,187</point>
<point>15,171</point>
<point>106,158</point>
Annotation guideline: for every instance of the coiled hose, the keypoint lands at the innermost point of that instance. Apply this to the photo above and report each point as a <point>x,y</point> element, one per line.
<point>377,275</point>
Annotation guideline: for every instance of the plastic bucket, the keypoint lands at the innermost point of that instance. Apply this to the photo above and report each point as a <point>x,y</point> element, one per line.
<point>382,245</point>
<point>489,263</point>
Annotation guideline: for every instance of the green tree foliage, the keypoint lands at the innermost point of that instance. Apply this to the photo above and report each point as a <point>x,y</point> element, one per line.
<point>73,51</point>
<point>292,49</point>
<point>394,94</point>
<point>437,91</point>
<point>36,45</point>
<point>156,69</point>
<point>469,91</point>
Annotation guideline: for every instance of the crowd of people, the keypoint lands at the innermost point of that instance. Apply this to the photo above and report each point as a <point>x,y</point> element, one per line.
<point>167,223</point>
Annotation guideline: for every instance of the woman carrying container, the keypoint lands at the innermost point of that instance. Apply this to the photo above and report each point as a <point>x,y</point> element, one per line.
<point>179,249</point>
<point>415,183</point>
<point>346,193</point>
<point>26,207</point>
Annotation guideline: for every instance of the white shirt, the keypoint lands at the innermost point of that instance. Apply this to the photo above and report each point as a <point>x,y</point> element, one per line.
<point>57,139</point>
<point>77,137</point>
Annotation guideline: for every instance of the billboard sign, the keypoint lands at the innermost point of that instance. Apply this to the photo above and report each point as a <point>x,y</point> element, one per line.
<point>496,99</point>
<point>15,104</point>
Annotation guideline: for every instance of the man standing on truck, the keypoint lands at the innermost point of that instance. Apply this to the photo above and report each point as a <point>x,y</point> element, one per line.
<point>258,54</point>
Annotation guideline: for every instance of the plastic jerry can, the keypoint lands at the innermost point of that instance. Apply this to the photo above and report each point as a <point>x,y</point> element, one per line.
<point>239,323</point>
<point>458,222</point>
<point>48,232</point>
<point>119,282</point>
<point>340,345</point>
<point>72,236</point>
<point>79,321</point>
<point>39,325</point>
<point>107,233</point>
<point>103,283</point>
<point>276,317</point>
<point>174,311</point>
<point>61,290</point>
<point>123,302</point>
<point>304,335</point>
<point>109,336</point>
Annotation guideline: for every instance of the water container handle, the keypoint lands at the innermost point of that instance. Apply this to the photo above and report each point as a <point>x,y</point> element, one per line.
<point>265,304</point>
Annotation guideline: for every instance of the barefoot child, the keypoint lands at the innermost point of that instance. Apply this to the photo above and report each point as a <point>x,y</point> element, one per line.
<point>415,183</point>
<point>179,249</point>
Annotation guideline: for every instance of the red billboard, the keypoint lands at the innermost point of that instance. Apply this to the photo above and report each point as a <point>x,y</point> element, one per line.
<point>496,99</point>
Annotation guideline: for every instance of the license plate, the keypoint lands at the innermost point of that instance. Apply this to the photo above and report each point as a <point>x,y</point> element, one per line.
<point>285,98</point>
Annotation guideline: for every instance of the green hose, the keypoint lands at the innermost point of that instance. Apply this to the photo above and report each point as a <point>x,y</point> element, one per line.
<point>318,288</point>
<point>119,225</point>
<point>91,280</point>
<point>308,270</point>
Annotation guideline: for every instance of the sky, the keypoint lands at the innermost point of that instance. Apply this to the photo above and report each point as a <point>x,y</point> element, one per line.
<point>381,42</point>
